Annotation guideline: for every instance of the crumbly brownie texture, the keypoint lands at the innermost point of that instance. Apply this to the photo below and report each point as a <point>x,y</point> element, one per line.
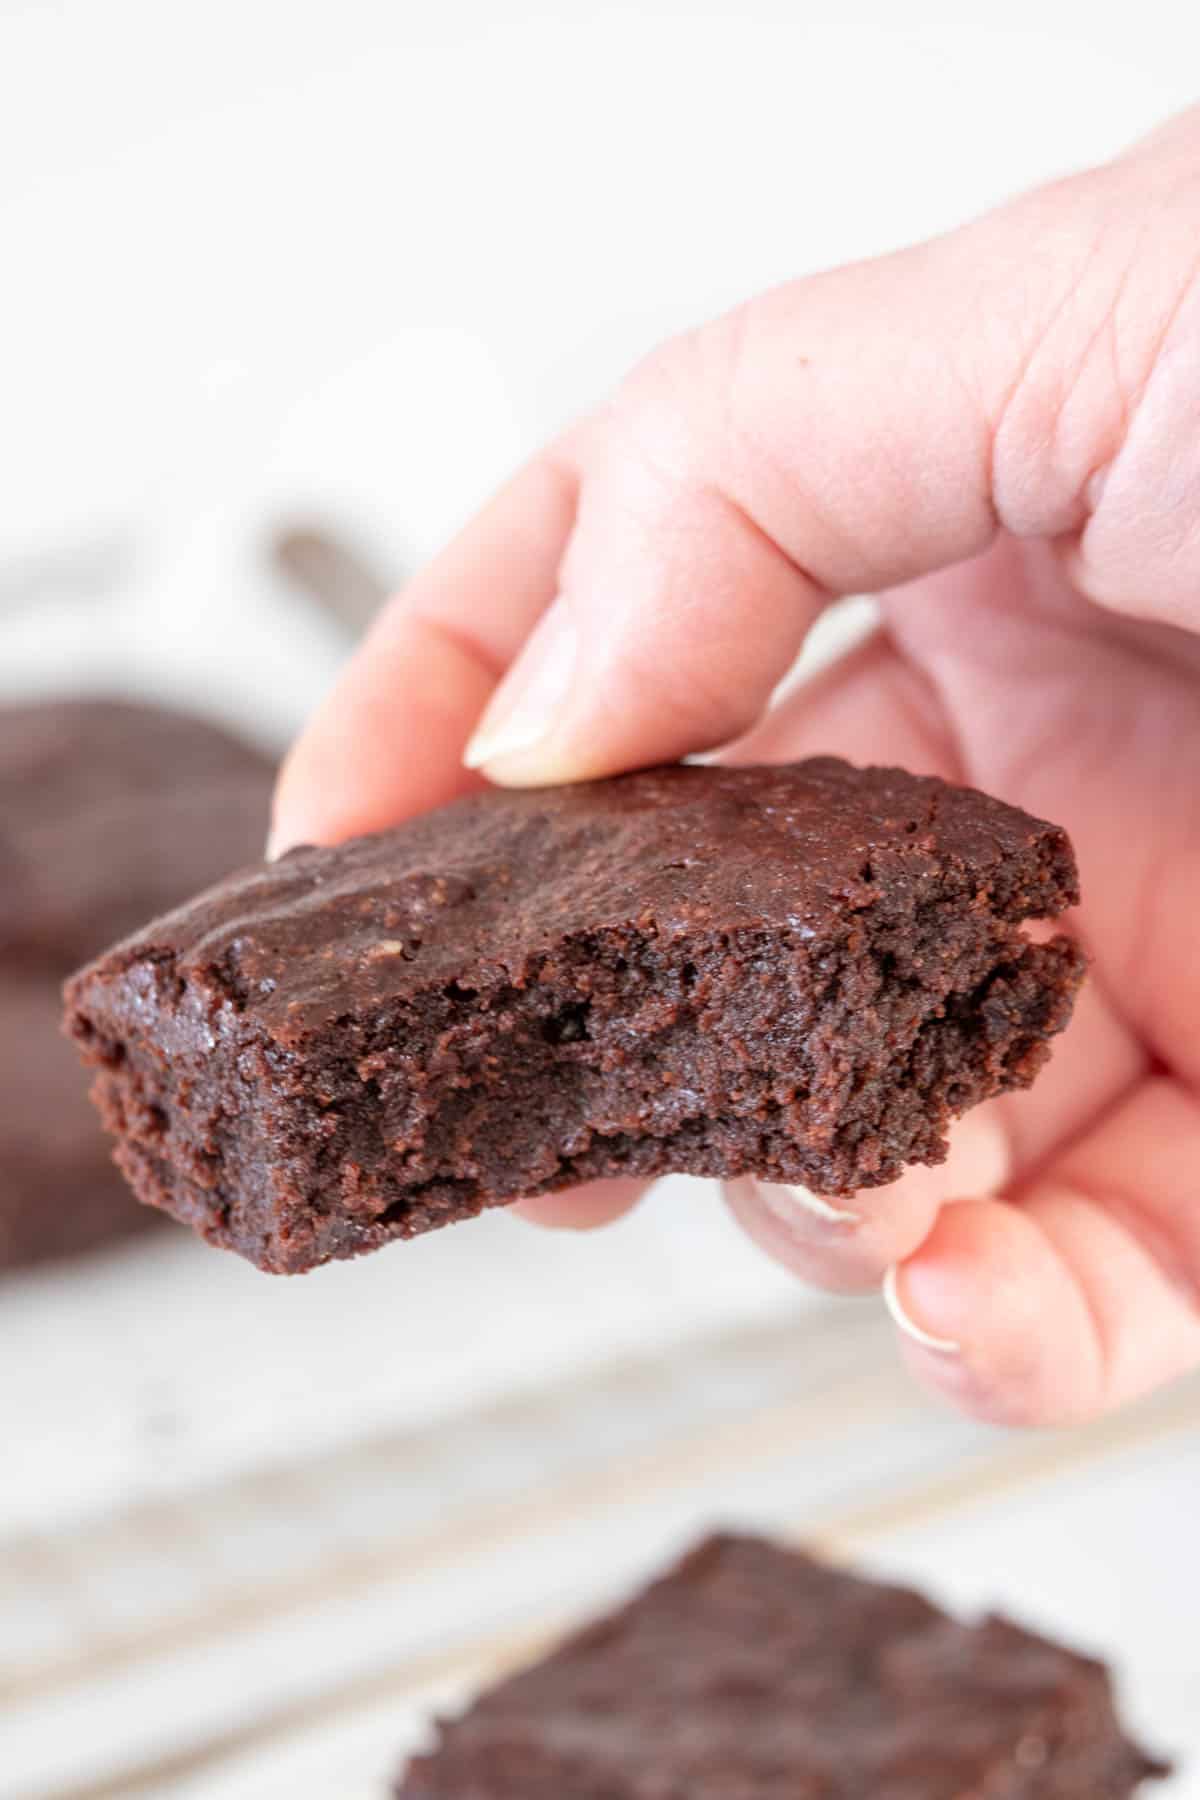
<point>108,811</point>
<point>755,1673</point>
<point>799,972</point>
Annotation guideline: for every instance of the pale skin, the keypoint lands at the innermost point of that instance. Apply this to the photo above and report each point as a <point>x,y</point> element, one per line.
<point>998,433</point>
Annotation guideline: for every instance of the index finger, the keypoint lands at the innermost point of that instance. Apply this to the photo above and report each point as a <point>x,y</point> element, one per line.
<point>388,740</point>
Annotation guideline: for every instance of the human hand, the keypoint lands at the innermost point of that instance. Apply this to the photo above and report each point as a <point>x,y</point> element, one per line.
<point>999,433</point>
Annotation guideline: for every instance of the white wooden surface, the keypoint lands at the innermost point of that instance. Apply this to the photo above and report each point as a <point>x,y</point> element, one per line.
<point>296,1625</point>
<point>269,259</point>
<point>142,1373</point>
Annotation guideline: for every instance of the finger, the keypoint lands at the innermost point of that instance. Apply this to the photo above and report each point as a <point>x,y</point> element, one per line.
<point>841,434</point>
<point>707,540</point>
<point>388,740</point>
<point>871,705</point>
<point>1081,1293</point>
<point>583,1208</point>
<point>845,1246</point>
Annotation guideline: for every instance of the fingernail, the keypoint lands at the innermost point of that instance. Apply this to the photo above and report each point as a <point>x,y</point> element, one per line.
<point>280,842</point>
<point>787,1204</point>
<point>908,1325</point>
<point>531,698</point>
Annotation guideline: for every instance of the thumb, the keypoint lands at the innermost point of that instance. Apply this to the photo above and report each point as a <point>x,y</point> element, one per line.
<point>840,434</point>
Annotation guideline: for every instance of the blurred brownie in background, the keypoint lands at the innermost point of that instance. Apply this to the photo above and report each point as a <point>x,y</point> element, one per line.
<point>753,1672</point>
<point>110,811</point>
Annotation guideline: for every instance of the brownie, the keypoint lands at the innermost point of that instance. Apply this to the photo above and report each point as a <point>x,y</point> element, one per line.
<point>109,810</point>
<point>799,972</point>
<point>751,1672</point>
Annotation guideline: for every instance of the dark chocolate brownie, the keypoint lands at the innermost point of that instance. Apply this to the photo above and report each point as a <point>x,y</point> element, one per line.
<point>799,972</point>
<point>108,811</point>
<point>751,1672</point>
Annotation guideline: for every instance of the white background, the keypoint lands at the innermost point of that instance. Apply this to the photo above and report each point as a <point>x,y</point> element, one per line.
<point>363,254</point>
<point>263,260</point>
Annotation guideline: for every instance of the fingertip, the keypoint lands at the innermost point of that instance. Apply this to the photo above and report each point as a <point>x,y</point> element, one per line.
<point>532,763</point>
<point>386,743</point>
<point>987,1282</point>
<point>586,1208</point>
<point>312,788</point>
<point>514,741</point>
<point>822,1241</point>
<point>847,1245</point>
<point>289,824</point>
<point>906,1322</point>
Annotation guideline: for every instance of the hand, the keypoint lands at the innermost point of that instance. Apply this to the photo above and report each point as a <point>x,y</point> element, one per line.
<point>999,433</point>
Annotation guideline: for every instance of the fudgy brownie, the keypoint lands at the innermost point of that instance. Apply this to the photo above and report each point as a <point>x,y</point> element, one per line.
<point>799,972</point>
<point>108,811</point>
<point>751,1672</point>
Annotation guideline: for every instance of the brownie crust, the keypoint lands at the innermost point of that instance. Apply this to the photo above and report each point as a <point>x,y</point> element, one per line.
<point>757,1672</point>
<point>109,811</point>
<point>800,972</point>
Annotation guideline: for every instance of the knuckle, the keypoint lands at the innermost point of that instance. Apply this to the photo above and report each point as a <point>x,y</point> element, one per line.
<point>671,408</point>
<point>1087,341</point>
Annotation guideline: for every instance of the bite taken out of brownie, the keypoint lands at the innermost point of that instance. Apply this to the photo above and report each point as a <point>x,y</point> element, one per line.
<point>751,1672</point>
<point>799,972</point>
